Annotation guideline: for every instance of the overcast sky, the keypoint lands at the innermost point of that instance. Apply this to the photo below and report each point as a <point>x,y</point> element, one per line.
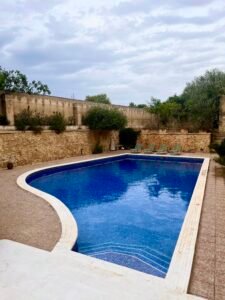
<point>129,49</point>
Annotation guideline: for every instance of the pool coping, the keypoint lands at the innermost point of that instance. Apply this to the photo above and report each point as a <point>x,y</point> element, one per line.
<point>182,259</point>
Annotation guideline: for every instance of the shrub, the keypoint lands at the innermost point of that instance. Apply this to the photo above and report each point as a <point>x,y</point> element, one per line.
<point>99,118</point>
<point>35,123</point>
<point>220,150</point>
<point>57,123</point>
<point>3,120</point>
<point>128,137</point>
<point>101,98</point>
<point>27,120</point>
<point>22,120</point>
<point>97,149</point>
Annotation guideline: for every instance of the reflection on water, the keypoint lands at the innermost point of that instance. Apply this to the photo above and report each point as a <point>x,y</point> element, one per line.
<point>124,208</point>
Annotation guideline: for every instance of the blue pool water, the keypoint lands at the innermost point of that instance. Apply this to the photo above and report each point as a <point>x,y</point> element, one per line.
<point>129,209</point>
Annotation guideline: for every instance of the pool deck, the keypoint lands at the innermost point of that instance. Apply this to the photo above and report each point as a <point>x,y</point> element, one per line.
<point>30,220</point>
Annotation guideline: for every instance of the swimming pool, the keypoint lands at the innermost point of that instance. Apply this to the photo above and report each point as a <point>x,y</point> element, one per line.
<point>129,209</point>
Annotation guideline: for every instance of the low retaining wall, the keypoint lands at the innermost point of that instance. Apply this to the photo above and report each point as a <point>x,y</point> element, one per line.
<point>27,147</point>
<point>190,142</point>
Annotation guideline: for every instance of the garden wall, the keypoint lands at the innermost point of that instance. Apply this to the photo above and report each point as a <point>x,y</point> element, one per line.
<point>27,147</point>
<point>190,142</point>
<point>73,110</point>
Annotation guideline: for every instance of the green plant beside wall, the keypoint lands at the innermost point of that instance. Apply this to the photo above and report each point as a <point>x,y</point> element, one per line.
<point>27,120</point>
<point>99,118</point>
<point>57,123</point>
<point>220,150</point>
<point>97,149</point>
<point>102,120</point>
<point>128,137</point>
<point>23,120</point>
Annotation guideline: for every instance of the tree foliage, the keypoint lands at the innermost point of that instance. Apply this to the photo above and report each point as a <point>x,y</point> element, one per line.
<point>101,98</point>
<point>15,81</point>
<point>220,150</point>
<point>99,118</point>
<point>28,120</point>
<point>197,106</point>
<point>202,97</point>
<point>132,104</point>
<point>57,122</point>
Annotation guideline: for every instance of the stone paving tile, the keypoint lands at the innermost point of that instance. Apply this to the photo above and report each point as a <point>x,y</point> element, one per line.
<point>219,293</point>
<point>202,289</point>
<point>210,245</point>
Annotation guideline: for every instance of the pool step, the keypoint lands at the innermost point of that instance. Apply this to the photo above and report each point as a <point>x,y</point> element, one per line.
<point>144,259</point>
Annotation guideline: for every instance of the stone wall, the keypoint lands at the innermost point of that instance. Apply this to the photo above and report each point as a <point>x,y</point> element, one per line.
<point>190,142</point>
<point>222,115</point>
<point>27,147</point>
<point>73,110</point>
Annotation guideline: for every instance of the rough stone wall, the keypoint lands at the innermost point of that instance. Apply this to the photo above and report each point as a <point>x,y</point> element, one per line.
<point>190,142</point>
<point>222,115</point>
<point>27,147</point>
<point>71,109</point>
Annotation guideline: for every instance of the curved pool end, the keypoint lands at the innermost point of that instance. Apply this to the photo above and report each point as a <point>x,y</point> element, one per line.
<point>69,229</point>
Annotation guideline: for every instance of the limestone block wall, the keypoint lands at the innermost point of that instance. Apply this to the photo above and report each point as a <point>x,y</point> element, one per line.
<point>222,115</point>
<point>27,147</point>
<point>71,109</point>
<point>190,142</point>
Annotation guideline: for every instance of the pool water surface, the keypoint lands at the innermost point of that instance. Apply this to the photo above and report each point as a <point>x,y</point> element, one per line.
<point>129,209</point>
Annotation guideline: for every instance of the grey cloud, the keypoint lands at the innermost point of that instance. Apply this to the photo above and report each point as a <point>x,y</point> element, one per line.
<point>132,56</point>
<point>143,6</point>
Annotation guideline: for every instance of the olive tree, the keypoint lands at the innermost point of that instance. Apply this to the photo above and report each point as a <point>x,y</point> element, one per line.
<point>15,81</point>
<point>100,98</point>
<point>100,118</point>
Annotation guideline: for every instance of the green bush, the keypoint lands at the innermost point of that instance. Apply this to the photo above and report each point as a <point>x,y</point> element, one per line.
<point>36,122</point>
<point>220,150</point>
<point>97,149</point>
<point>23,120</point>
<point>128,137</point>
<point>3,120</point>
<point>57,123</point>
<point>101,98</point>
<point>27,120</point>
<point>99,118</point>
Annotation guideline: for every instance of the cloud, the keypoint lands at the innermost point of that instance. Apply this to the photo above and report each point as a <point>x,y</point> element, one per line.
<point>129,49</point>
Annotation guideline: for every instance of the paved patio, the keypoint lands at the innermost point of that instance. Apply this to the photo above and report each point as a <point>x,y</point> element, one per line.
<point>26,218</point>
<point>30,220</point>
<point>208,272</point>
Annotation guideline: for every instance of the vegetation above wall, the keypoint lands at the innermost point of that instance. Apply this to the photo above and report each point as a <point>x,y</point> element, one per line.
<point>99,118</point>
<point>101,98</point>
<point>15,81</point>
<point>132,104</point>
<point>28,120</point>
<point>197,108</point>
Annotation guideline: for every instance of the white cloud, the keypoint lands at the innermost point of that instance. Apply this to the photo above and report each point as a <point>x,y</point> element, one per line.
<point>131,50</point>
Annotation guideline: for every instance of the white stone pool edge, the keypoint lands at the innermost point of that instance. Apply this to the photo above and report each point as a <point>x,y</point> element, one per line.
<point>178,276</point>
